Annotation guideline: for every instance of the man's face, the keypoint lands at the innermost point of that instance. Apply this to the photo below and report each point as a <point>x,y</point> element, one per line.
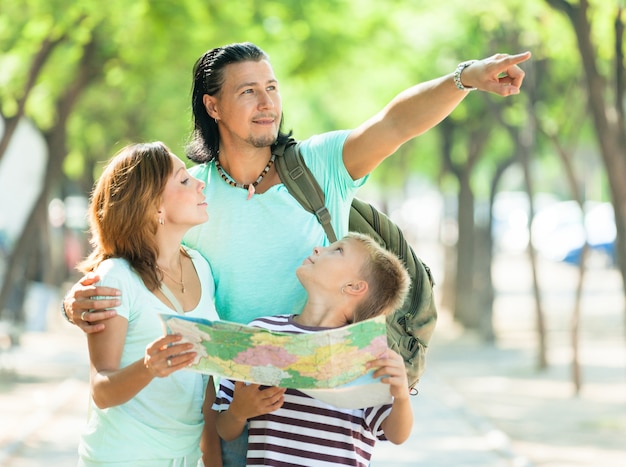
<point>249,106</point>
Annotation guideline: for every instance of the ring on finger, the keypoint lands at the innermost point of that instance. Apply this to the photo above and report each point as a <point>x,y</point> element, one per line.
<point>169,362</point>
<point>82,315</point>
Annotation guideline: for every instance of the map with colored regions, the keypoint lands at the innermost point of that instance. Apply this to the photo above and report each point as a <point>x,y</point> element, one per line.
<point>328,364</point>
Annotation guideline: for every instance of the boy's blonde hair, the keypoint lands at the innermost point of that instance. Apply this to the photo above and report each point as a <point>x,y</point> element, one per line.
<point>386,276</point>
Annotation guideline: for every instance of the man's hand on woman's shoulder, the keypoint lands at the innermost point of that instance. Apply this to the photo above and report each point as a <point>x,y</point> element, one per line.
<point>84,306</point>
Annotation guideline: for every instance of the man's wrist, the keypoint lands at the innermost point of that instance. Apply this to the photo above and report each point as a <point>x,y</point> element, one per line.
<point>457,75</point>
<point>64,311</point>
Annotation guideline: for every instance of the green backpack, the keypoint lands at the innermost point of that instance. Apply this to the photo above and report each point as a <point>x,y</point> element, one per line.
<point>409,328</point>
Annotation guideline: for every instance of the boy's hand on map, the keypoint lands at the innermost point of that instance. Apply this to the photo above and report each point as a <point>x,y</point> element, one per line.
<point>250,400</point>
<point>391,370</point>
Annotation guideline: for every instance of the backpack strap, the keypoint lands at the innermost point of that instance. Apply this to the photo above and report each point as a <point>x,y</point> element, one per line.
<point>302,185</point>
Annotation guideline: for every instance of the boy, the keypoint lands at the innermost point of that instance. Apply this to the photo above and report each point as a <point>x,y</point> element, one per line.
<point>349,281</point>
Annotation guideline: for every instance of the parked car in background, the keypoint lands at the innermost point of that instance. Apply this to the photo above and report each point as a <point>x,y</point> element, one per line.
<point>511,210</point>
<point>559,228</point>
<point>559,231</point>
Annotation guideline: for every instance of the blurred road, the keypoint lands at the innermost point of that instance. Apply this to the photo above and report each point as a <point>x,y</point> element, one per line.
<point>478,405</point>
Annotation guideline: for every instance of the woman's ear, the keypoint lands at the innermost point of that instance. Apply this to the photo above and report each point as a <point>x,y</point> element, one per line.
<point>210,106</point>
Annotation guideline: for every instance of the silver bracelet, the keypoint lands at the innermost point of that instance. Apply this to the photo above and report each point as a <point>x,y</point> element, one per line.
<point>457,75</point>
<point>64,311</point>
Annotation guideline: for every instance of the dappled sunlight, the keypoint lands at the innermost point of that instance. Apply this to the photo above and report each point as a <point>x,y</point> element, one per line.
<point>538,409</point>
<point>546,455</point>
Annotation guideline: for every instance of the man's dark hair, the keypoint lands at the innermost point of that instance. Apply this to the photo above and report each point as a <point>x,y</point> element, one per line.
<point>208,78</point>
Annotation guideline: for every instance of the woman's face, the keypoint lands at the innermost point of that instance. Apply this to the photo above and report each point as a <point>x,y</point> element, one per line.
<point>183,201</point>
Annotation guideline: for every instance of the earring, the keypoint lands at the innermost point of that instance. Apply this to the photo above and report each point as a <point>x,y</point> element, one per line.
<point>215,120</point>
<point>343,291</point>
<point>161,221</point>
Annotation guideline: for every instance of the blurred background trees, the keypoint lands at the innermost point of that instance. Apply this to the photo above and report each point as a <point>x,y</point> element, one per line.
<point>79,80</point>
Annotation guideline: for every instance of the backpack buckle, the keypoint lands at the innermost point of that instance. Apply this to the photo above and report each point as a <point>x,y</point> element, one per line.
<point>323,216</point>
<point>296,173</point>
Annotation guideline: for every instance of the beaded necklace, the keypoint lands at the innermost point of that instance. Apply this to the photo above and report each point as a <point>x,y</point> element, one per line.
<point>250,186</point>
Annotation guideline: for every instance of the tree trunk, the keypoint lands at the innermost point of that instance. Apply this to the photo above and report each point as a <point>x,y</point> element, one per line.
<point>542,359</point>
<point>466,308</point>
<point>465,311</point>
<point>88,69</point>
<point>578,195</point>
<point>501,168</point>
<point>608,119</point>
<point>40,59</point>
<point>482,282</point>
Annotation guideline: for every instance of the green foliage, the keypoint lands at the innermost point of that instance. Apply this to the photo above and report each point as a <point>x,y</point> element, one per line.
<point>338,62</point>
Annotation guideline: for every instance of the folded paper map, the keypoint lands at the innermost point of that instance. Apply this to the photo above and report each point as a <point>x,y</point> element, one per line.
<point>328,365</point>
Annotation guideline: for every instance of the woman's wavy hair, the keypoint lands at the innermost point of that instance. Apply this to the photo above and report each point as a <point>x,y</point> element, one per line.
<point>123,208</point>
<point>208,78</point>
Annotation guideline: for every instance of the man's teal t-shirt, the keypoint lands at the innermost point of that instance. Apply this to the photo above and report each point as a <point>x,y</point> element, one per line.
<point>254,246</point>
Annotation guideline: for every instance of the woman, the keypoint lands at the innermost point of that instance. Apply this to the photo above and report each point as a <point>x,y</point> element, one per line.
<point>143,411</point>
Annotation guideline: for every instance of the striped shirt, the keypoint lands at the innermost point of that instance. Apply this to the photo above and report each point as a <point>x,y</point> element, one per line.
<point>306,431</point>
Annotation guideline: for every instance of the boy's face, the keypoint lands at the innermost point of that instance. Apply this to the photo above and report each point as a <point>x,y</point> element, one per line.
<point>332,267</point>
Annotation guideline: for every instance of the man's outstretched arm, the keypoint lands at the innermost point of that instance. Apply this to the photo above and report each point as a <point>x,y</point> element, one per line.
<point>421,107</point>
